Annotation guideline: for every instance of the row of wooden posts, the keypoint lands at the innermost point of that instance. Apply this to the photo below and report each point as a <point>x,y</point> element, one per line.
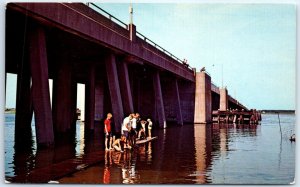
<point>236,116</point>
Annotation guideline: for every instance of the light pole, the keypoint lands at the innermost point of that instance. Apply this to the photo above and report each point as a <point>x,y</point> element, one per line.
<point>130,13</point>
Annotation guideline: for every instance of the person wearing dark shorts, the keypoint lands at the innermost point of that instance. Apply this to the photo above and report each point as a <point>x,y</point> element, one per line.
<point>107,131</point>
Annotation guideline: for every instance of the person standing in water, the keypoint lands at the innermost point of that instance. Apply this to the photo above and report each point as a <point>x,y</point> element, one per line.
<point>149,127</point>
<point>107,131</point>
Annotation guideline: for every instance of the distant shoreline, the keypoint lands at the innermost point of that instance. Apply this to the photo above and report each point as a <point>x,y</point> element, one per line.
<point>13,111</point>
<point>278,111</point>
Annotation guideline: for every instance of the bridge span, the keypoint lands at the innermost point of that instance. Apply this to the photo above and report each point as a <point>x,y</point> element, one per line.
<point>123,72</point>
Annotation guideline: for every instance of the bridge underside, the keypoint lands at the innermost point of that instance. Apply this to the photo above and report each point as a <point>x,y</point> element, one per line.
<point>114,81</point>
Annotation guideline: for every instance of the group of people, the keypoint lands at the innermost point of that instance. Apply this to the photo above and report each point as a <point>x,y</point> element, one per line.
<point>133,128</point>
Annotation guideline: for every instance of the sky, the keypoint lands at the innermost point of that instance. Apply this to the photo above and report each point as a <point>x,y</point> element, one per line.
<point>252,45</point>
<point>249,48</point>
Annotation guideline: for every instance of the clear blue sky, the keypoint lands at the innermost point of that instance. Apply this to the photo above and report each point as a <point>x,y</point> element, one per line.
<point>254,43</point>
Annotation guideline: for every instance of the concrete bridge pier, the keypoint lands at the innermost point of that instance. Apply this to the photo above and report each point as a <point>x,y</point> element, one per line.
<point>24,109</point>
<point>159,103</point>
<point>62,98</point>
<point>178,104</point>
<point>99,100</point>
<point>223,99</point>
<point>125,88</point>
<point>114,90</point>
<point>40,86</point>
<point>90,101</point>
<point>203,104</point>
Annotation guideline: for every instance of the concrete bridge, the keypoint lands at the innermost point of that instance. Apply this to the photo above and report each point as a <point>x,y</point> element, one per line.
<point>123,72</point>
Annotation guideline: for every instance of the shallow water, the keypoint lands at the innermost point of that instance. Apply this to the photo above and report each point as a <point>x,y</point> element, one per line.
<point>189,154</point>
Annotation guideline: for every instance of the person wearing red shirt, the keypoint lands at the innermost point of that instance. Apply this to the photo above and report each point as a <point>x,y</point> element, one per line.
<point>107,131</point>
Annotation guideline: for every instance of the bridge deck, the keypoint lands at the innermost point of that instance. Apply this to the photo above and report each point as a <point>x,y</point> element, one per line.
<point>83,21</point>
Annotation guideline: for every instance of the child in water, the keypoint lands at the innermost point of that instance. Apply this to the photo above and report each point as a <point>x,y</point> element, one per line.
<point>117,145</point>
<point>107,131</point>
<point>149,127</point>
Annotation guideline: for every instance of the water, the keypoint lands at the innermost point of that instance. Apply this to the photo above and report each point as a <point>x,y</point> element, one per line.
<point>189,154</point>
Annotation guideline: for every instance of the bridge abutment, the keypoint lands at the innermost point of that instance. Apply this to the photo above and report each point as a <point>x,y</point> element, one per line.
<point>203,104</point>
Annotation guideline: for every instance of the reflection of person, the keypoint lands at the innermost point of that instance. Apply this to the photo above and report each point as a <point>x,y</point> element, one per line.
<point>107,131</point>
<point>106,175</point>
<point>117,145</point>
<point>149,127</point>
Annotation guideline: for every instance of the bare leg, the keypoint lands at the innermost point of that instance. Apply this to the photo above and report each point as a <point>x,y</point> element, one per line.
<point>110,143</point>
<point>106,140</point>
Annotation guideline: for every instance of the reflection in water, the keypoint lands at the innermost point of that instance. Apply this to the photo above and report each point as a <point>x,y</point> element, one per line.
<point>203,151</point>
<point>216,153</point>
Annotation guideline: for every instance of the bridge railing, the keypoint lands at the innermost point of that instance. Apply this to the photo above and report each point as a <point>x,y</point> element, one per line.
<point>144,38</point>
<point>109,16</point>
<point>162,49</point>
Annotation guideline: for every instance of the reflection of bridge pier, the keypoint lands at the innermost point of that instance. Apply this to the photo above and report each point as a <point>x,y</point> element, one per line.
<point>203,144</point>
<point>122,71</point>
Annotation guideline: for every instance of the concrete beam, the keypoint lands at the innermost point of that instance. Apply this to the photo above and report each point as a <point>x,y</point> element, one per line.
<point>159,103</point>
<point>114,90</point>
<point>203,108</point>
<point>40,86</point>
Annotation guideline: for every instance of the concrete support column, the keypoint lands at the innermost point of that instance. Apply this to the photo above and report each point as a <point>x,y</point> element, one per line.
<point>159,103</point>
<point>223,99</point>
<point>114,90</point>
<point>125,88</point>
<point>178,105</point>
<point>24,109</point>
<point>62,98</point>
<point>203,98</point>
<point>99,100</point>
<point>90,101</point>
<point>73,105</point>
<point>40,87</point>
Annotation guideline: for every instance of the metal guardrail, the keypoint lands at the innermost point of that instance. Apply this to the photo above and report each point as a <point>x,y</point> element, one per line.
<point>109,16</point>
<point>162,49</point>
<point>124,25</point>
